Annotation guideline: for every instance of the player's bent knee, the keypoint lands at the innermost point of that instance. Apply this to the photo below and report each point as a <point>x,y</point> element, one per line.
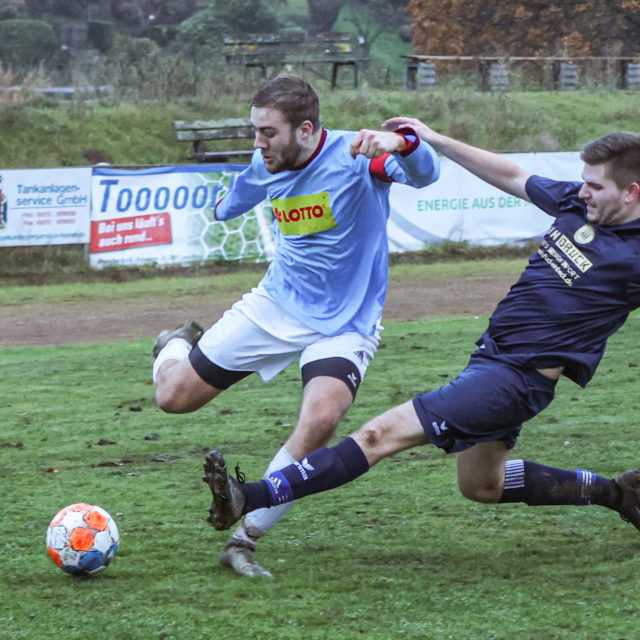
<point>376,439</point>
<point>371,435</point>
<point>173,401</point>
<point>327,421</point>
<point>168,403</point>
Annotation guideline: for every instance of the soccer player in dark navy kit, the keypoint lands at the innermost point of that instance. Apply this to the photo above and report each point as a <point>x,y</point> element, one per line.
<point>575,292</point>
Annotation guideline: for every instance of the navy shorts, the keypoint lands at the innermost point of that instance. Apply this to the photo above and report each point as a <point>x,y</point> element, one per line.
<point>488,401</point>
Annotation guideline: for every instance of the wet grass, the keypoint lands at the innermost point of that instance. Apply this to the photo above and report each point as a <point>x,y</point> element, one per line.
<point>397,554</point>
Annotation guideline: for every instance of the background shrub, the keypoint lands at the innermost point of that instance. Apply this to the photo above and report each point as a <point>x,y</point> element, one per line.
<point>26,42</point>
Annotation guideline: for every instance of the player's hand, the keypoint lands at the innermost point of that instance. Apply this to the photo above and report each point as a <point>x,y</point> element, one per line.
<point>373,144</point>
<point>424,132</point>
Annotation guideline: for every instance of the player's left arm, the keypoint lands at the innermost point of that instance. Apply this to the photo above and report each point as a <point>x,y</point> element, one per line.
<point>246,190</point>
<point>398,156</point>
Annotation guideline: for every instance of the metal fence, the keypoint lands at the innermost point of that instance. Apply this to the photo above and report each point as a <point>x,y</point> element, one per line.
<point>495,73</point>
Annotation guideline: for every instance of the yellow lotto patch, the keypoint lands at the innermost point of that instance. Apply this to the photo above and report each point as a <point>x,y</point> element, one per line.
<point>302,215</point>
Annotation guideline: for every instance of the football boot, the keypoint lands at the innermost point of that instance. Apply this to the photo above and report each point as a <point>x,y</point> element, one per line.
<point>629,508</point>
<point>238,553</point>
<point>189,331</point>
<point>228,499</point>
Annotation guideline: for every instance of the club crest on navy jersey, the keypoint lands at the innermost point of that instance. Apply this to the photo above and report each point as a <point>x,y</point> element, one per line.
<point>585,234</point>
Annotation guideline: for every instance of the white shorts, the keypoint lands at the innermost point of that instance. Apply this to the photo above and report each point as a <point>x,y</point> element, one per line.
<point>258,335</point>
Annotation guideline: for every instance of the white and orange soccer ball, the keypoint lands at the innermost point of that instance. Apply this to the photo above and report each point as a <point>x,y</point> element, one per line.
<point>82,539</point>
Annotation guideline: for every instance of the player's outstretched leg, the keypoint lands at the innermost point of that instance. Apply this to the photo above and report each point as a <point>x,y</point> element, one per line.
<point>324,469</point>
<point>629,508</point>
<point>228,499</point>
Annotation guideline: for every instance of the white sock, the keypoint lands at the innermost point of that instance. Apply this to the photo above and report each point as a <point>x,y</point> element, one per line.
<point>175,349</point>
<point>264,519</point>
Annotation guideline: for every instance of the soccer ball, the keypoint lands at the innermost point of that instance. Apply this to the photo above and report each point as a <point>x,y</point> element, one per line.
<point>82,539</point>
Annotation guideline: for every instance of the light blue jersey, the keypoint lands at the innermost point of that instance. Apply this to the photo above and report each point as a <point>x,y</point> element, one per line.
<point>330,269</point>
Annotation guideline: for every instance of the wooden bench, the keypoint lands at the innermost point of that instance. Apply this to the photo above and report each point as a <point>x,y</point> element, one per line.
<point>200,132</point>
<point>313,53</point>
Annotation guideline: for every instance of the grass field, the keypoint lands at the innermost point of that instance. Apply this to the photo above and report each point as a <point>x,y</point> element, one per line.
<point>138,133</point>
<point>397,554</point>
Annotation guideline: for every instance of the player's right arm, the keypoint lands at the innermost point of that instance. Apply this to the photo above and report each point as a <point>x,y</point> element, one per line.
<point>488,166</point>
<point>246,190</point>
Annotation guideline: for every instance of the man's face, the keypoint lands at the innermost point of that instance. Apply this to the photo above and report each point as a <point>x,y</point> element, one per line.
<point>604,199</point>
<point>276,139</point>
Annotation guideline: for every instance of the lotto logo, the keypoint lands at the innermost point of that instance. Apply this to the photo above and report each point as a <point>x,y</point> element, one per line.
<point>301,215</point>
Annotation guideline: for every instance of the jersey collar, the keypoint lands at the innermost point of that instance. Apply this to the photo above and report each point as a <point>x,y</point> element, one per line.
<point>318,149</point>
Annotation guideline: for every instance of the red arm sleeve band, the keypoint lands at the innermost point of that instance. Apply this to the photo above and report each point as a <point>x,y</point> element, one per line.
<point>376,168</point>
<point>411,139</point>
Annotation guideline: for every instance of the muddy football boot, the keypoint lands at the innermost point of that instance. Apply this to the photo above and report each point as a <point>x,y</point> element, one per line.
<point>189,331</point>
<point>629,508</point>
<point>228,499</point>
<point>238,554</point>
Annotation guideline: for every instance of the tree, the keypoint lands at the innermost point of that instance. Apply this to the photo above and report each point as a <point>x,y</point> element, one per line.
<point>131,13</point>
<point>200,36</point>
<point>169,11</point>
<point>535,27</point>
<point>323,14</point>
<point>246,16</point>
<point>372,18</point>
<point>64,8</point>
<point>11,9</point>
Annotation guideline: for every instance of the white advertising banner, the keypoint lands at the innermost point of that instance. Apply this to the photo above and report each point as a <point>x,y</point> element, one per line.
<point>164,216</point>
<point>460,207</point>
<point>44,206</point>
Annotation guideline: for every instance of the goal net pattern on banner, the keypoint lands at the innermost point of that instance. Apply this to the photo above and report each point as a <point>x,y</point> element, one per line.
<point>247,237</point>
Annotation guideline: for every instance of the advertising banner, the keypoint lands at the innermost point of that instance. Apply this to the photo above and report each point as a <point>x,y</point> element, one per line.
<point>164,215</point>
<point>44,206</point>
<point>460,207</point>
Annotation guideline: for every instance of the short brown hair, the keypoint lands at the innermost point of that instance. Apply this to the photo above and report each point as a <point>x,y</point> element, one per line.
<point>291,95</point>
<point>620,151</point>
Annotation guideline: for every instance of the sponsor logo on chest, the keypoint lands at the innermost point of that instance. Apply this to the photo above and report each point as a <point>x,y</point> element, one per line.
<point>570,250</point>
<point>563,256</point>
<point>302,215</point>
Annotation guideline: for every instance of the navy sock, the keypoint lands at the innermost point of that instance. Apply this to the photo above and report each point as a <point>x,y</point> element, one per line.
<point>324,469</point>
<point>256,495</point>
<point>536,484</point>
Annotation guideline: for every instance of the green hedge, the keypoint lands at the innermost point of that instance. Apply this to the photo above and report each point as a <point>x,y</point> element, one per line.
<point>26,42</point>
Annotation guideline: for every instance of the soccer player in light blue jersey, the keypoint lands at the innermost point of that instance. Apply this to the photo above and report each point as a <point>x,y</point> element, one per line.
<point>322,297</point>
<point>576,291</point>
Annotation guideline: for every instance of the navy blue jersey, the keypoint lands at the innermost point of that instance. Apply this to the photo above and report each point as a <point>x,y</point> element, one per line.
<point>576,291</point>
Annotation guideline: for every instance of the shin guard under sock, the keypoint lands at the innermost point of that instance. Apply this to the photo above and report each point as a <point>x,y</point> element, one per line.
<point>264,519</point>
<point>324,469</point>
<point>536,485</point>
